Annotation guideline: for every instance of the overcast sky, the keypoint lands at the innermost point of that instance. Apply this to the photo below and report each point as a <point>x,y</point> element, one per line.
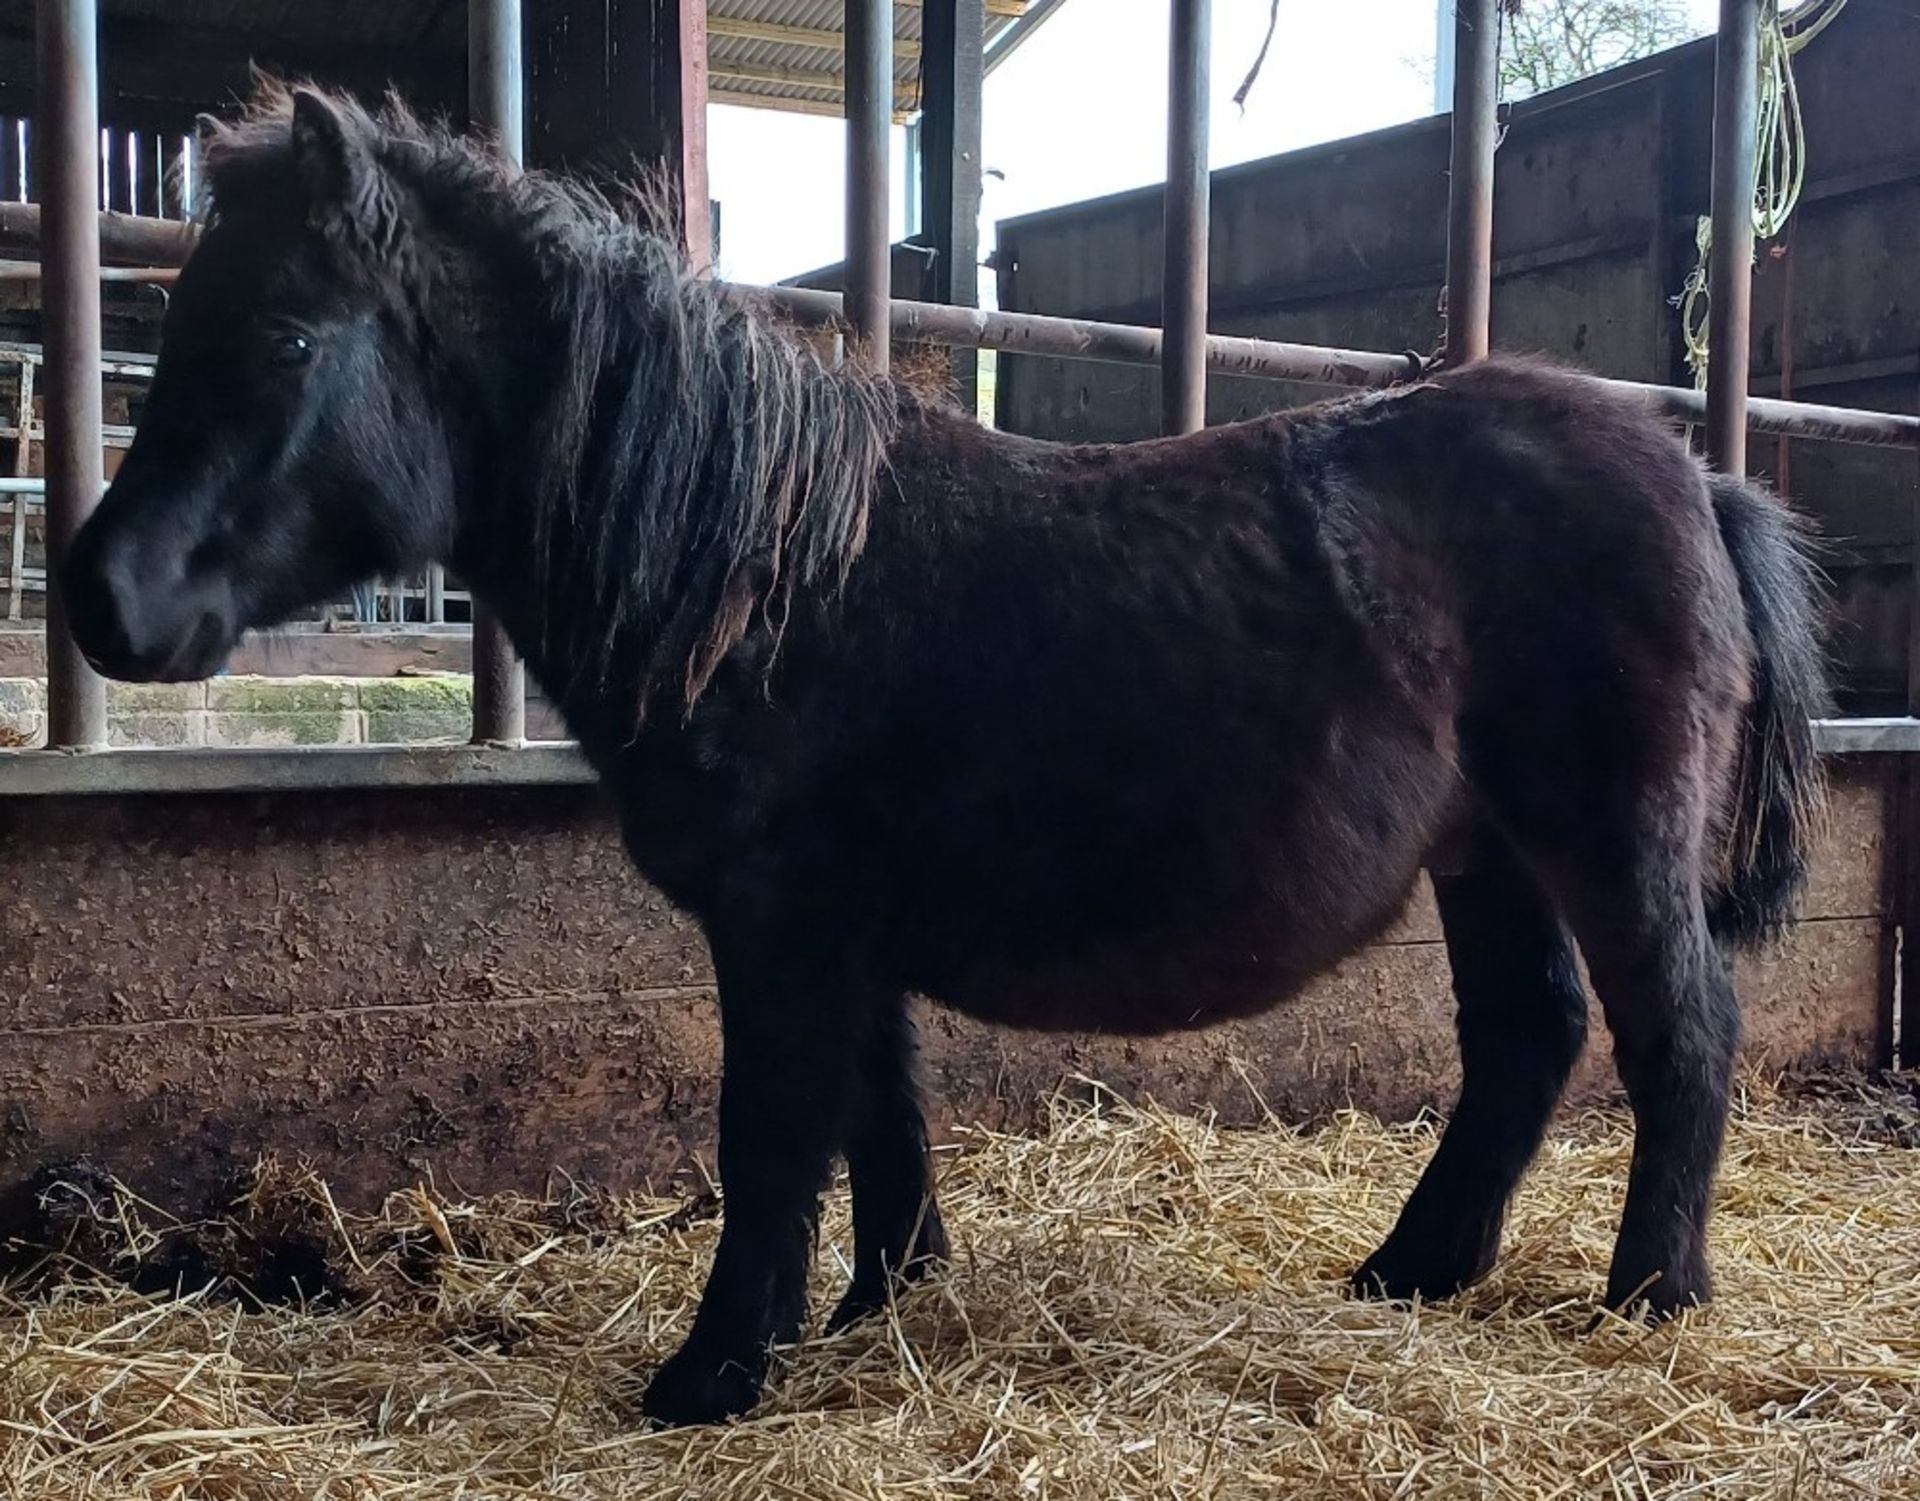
<point>1080,110</point>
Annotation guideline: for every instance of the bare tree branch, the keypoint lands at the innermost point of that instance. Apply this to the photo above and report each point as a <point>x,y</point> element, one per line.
<point>1548,43</point>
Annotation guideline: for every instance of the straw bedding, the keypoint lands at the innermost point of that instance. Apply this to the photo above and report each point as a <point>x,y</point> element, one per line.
<point>1143,1306</point>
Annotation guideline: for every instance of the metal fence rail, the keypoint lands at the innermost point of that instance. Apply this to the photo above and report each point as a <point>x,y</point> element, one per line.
<point>1250,358</point>
<point>73,238</point>
<point>25,493</point>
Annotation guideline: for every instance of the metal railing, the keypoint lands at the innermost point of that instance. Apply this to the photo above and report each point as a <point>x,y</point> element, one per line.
<point>25,494</point>
<point>70,235</point>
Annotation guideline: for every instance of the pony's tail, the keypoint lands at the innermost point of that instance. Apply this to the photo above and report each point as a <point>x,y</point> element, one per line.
<point>1779,789</point>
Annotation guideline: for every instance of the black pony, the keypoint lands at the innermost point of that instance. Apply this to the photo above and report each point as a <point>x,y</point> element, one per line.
<point>1130,738</point>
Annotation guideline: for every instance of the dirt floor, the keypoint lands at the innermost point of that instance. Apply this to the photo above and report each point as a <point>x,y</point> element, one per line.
<point>1143,1306</point>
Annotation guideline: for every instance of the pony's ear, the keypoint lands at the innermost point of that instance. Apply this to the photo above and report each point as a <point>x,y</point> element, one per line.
<point>333,157</point>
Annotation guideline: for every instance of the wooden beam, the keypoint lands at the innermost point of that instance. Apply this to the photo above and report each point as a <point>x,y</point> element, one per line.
<point>1013,8</point>
<point>829,109</point>
<point>774,73</point>
<point>696,204</point>
<point>606,85</point>
<point>796,78</point>
<point>818,37</point>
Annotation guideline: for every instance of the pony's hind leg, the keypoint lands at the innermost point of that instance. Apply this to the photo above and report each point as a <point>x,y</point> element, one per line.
<point>896,1224</point>
<point>1670,1005</point>
<point>1522,1021</point>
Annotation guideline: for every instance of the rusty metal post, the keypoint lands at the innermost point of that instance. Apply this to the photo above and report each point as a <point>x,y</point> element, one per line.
<point>22,464</point>
<point>1183,307</point>
<point>67,133</point>
<point>1736,103</point>
<point>496,104</point>
<point>1476,127</point>
<point>1903,987</point>
<point>869,65</point>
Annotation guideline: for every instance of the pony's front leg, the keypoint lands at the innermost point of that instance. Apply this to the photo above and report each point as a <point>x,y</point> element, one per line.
<point>784,1080</point>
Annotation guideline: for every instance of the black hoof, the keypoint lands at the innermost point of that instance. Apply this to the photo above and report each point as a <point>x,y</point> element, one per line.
<point>1398,1277</point>
<point>869,1291</point>
<point>862,1301</point>
<point>699,1387</point>
<point>868,1294</point>
<point>1657,1298</point>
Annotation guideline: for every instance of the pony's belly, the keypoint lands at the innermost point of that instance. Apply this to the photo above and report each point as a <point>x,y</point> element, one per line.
<point>1111,999</point>
<point>1152,983</point>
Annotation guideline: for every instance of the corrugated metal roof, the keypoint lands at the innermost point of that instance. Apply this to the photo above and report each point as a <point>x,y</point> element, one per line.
<point>786,54</point>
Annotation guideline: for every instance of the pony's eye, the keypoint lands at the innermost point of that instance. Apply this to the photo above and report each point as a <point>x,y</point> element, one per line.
<point>289,349</point>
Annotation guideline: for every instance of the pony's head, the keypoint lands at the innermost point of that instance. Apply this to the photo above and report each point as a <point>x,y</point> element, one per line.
<point>292,444</point>
<point>390,349</point>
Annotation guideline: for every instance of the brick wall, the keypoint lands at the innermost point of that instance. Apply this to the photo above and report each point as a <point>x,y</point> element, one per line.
<point>258,711</point>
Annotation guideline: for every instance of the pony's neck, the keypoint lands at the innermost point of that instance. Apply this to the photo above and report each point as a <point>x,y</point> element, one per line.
<point>655,470</point>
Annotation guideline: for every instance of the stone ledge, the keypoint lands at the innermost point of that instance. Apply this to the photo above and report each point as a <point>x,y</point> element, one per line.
<point>260,711</point>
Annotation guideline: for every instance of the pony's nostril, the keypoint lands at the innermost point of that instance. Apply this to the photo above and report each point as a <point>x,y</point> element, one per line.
<point>97,608</point>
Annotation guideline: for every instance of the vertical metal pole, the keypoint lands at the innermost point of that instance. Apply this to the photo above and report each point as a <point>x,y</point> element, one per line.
<point>1904,995</point>
<point>946,146</point>
<point>1183,310</point>
<point>869,65</point>
<point>1736,103</point>
<point>495,104</point>
<point>22,462</point>
<point>1476,124</point>
<point>67,132</point>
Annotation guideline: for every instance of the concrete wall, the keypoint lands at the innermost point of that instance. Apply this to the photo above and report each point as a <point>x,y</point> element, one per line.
<point>1598,190</point>
<point>264,711</point>
<point>473,983</point>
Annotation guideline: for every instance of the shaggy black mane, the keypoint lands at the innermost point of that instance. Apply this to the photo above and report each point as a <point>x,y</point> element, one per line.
<point>696,463</point>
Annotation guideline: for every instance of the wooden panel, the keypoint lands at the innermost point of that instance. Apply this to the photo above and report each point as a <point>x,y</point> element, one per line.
<point>605,88</point>
<point>1580,171</point>
<point>250,906</point>
<point>491,1095</point>
<point>476,985</point>
<point>622,1088</point>
<point>1597,194</point>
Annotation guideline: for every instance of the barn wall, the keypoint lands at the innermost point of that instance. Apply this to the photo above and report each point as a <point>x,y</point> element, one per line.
<point>1597,193</point>
<point>474,984</point>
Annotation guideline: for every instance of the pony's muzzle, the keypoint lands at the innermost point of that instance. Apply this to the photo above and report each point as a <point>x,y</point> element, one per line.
<point>135,613</point>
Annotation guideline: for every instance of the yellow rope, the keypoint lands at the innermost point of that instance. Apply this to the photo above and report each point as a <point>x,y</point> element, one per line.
<point>1780,159</point>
